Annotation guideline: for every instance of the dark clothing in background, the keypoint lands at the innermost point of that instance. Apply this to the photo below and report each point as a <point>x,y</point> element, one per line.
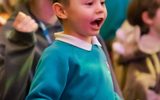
<point>19,53</point>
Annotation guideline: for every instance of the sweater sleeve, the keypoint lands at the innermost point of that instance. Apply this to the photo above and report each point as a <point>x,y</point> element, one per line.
<point>50,78</point>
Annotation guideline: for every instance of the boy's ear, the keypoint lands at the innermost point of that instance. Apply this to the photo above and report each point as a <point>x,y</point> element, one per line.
<point>146,19</point>
<point>59,10</point>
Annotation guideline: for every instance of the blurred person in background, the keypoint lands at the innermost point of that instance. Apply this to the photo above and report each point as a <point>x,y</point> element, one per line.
<point>23,38</point>
<point>116,16</point>
<point>138,47</point>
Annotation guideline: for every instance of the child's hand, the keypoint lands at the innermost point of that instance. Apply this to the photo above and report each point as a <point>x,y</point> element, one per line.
<point>126,39</point>
<point>24,23</point>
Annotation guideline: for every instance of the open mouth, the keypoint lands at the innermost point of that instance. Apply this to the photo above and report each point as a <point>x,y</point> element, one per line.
<point>97,22</point>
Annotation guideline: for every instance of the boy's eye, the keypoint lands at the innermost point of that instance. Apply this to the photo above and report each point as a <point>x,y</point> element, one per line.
<point>102,3</point>
<point>89,3</point>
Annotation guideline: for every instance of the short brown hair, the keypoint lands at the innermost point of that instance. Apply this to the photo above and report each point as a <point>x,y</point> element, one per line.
<point>66,2</point>
<point>135,10</point>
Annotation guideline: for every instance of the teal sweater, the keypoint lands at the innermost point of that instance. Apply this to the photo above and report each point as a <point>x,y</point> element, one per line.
<point>66,72</point>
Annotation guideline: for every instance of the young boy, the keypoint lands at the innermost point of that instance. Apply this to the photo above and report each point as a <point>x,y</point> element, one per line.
<point>74,67</point>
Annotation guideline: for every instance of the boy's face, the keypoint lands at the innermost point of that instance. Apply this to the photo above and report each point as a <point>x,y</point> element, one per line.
<point>85,17</point>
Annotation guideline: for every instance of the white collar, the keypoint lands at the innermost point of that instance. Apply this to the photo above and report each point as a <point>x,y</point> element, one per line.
<point>76,42</point>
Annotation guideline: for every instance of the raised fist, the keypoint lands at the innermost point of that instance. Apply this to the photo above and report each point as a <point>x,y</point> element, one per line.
<point>24,23</point>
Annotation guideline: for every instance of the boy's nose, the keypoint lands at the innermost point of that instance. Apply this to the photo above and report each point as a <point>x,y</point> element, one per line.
<point>100,8</point>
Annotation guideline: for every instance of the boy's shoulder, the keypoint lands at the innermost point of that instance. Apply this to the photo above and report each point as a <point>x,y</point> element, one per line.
<point>55,52</point>
<point>58,47</point>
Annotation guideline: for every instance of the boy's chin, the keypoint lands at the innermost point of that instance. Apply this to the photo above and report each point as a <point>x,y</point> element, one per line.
<point>95,33</point>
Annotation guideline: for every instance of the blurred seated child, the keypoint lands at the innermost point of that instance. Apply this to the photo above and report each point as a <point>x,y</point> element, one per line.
<point>138,51</point>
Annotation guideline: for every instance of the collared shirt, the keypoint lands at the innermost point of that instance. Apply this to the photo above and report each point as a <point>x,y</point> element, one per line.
<point>77,42</point>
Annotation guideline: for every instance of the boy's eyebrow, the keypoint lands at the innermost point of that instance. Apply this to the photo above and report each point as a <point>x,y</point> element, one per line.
<point>85,0</point>
<point>56,1</point>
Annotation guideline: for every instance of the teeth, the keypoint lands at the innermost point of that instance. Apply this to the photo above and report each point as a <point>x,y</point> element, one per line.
<point>99,19</point>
